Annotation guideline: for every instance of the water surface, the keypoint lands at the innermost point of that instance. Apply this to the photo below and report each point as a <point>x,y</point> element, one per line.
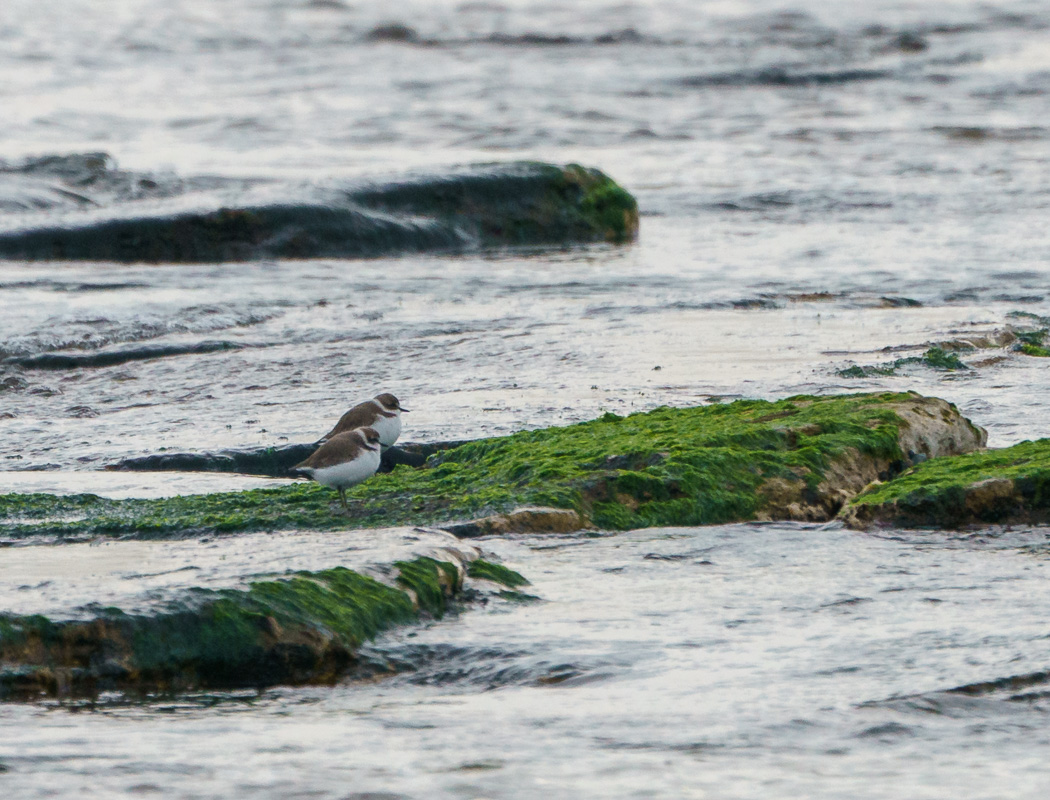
<point>817,182</point>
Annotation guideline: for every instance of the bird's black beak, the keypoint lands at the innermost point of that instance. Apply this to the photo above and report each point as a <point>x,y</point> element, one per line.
<point>403,409</point>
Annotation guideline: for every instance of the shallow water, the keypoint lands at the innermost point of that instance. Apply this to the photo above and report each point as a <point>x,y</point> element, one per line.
<point>728,661</point>
<point>817,182</point>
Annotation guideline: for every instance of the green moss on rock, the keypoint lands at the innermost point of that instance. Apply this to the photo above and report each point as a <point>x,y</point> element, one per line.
<point>1034,350</point>
<point>935,358</point>
<point>607,206</point>
<point>497,573</point>
<point>304,628</point>
<point>799,458</point>
<point>430,582</point>
<point>1033,342</point>
<point>991,486</point>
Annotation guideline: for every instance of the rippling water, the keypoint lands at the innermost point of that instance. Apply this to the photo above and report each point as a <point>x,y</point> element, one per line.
<point>728,661</point>
<point>817,182</point>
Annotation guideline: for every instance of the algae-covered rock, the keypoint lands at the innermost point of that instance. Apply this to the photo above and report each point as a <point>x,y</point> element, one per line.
<point>1011,485</point>
<point>935,358</point>
<point>304,627</point>
<point>799,458</point>
<point>495,205</point>
<point>1024,333</point>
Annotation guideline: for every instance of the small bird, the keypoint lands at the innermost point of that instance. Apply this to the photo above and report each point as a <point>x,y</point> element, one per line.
<point>383,413</point>
<point>343,461</point>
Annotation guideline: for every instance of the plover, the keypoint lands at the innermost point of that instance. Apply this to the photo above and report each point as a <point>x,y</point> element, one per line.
<point>345,460</point>
<point>383,413</point>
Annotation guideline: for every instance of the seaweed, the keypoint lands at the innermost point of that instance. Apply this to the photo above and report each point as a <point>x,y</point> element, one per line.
<point>301,628</point>
<point>1009,484</point>
<point>497,573</point>
<point>935,358</point>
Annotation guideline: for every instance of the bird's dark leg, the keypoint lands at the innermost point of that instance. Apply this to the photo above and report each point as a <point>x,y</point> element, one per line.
<point>342,497</point>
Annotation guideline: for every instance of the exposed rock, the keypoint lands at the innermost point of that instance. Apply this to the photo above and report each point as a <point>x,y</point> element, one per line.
<point>935,358</point>
<point>520,520</point>
<point>930,427</point>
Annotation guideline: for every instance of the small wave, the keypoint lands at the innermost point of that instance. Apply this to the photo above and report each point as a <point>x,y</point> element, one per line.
<point>94,334</point>
<point>479,667</point>
<point>766,201</point>
<point>63,286</point>
<point>982,133</point>
<point>785,77</point>
<point>973,699</point>
<point>402,33</point>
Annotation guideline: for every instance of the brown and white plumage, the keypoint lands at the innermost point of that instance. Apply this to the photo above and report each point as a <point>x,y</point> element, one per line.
<point>382,412</point>
<point>345,460</point>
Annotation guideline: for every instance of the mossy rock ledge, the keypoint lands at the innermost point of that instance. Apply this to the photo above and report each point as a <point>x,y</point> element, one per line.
<point>299,628</point>
<point>1006,486</point>
<point>802,458</point>
<point>125,217</point>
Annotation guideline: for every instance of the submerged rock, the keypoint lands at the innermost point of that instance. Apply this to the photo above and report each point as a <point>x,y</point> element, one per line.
<point>119,355</point>
<point>800,458</point>
<point>117,216</point>
<point>935,357</point>
<point>1007,486</point>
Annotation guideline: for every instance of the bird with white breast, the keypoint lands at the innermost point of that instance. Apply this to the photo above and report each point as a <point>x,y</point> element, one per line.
<point>382,413</point>
<point>345,460</point>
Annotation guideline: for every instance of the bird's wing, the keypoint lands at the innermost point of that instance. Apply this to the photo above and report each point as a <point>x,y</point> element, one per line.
<point>360,416</point>
<point>337,450</point>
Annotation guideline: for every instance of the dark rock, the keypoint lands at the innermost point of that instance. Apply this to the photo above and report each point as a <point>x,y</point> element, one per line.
<point>122,355</point>
<point>393,32</point>
<point>517,204</point>
<point>273,462</point>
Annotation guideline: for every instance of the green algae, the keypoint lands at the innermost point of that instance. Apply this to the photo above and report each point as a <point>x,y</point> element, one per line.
<point>1035,350</point>
<point>571,203</point>
<point>687,466</point>
<point>497,573</point>
<point>1011,485</point>
<point>944,480</point>
<point>1033,342</point>
<point>608,207</point>
<point>935,358</point>
<point>302,628</point>
<point>430,581</point>
<point>518,597</point>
